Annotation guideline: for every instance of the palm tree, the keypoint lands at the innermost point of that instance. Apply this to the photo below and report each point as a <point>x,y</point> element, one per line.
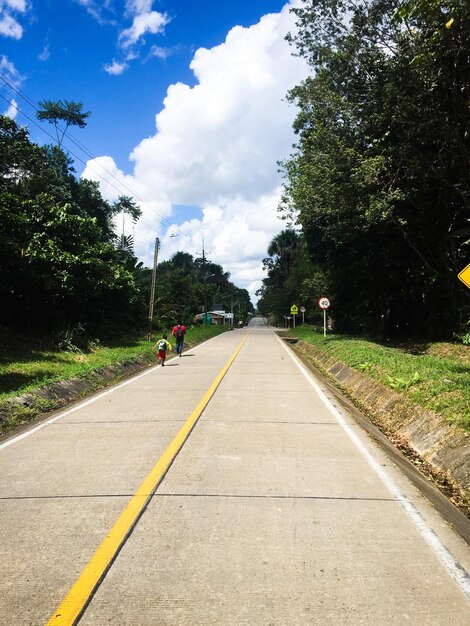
<point>283,248</point>
<point>125,243</point>
<point>183,261</point>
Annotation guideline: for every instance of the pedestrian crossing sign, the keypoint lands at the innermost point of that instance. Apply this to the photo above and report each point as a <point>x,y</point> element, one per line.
<point>294,309</point>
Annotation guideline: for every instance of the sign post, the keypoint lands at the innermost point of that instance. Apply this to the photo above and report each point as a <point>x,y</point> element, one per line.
<point>324,304</point>
<point>294,311</point>
<point>302,310</point>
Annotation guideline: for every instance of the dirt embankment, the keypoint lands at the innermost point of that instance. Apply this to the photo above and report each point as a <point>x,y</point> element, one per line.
<point>439,449</point>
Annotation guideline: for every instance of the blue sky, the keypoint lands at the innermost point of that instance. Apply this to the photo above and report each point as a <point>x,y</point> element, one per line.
<point>214,72</point>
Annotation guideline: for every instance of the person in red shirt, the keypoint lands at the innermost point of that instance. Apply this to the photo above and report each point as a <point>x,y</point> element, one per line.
<point>178,332</point>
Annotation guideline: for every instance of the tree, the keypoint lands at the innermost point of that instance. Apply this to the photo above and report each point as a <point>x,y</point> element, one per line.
<point>86,193</point>
<point>70,113</point>
<point>283,248</point>
<point>181,294</point>
<point>380,178</point>
<point>57,270</point>
<point>124,205</point>
<point>289,278</point>
<point>57,257</point>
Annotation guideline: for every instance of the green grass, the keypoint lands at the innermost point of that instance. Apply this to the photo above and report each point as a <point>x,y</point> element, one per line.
<point>25,365</point>
<point>435,376</point>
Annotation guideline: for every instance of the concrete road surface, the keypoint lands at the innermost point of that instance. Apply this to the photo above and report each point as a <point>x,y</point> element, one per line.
<point>275,510</point>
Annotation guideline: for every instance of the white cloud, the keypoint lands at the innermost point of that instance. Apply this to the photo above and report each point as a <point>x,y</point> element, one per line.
<point>9,24</point>
<point>14,79</point>
<point>159,53</point>
<point>217,145</point>
<point>115,68</point>
<point>14,5</point>
<point>236,233</point>
<point>12,110</point>
<point>131,40</point>
<point>10,72</point>
<point>9,27</point>
<point>102,11</point>
<point>45,53</point>
<point>142,24</point>
<point>137,7</point>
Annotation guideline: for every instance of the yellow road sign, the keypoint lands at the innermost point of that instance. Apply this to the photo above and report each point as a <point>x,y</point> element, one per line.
<point>294,309</point>
<point>465,276</point>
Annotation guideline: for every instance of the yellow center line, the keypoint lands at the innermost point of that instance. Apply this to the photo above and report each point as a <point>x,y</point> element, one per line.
<point>75,602</point>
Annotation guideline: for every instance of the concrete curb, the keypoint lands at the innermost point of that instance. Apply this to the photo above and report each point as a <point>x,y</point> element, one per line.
<point>444,446</point>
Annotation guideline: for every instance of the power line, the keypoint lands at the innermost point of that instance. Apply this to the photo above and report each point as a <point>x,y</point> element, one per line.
<point>77,157</point>
<point>81,160</point>
<point>135,237</point>
<point>138,236</point>
<point>88,153</point>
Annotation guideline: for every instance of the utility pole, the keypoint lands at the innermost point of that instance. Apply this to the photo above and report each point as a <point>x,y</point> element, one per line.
<point>204,278</point>
<point>152,290</point>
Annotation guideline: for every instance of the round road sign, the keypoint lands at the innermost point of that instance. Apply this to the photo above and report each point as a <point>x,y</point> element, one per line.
<point>324,303</point>
<point>302,309</point>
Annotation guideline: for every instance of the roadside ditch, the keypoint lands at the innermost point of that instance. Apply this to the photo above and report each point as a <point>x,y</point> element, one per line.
<point>438,450</point>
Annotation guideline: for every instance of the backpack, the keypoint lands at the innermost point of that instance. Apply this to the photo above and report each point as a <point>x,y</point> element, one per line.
<point>179,333</point>
<point>162,345</point>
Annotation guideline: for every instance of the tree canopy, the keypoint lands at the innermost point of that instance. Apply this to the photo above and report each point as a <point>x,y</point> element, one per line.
<point>183,292</point>
<point>69,113</point>
<point>291,279</point>
<point>57,244</point>
<point>380,178</point>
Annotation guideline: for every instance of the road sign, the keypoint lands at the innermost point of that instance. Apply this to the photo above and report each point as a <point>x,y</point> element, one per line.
<point>302,309</point>
<point>324,303</point>
<point>294,309</point>
<point>465,276</point>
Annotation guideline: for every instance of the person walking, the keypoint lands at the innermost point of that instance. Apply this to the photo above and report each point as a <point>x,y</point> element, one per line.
<point>162,346</point>
<point>178,332</point>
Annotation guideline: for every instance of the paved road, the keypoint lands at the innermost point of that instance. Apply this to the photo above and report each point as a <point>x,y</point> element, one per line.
<point>277,510</point>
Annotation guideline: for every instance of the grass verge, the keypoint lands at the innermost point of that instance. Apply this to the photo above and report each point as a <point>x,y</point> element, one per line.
<point>27,367</point>
<point>435,376</point>
<point>24,365</point>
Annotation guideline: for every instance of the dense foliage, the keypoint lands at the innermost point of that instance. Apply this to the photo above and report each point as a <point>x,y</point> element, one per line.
<point>291,279</point>
<point>380,180</point>
<point>183,291</point>
<point>57,245</point>
<point>63,267</point>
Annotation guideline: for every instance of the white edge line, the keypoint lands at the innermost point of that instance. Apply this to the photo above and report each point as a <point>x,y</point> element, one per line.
<point>456,571</point>
<point>51,420</point>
